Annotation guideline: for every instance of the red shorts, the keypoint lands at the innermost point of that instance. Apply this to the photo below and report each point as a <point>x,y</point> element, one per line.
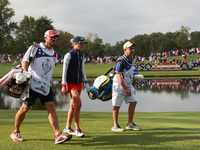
<point>71,86</point>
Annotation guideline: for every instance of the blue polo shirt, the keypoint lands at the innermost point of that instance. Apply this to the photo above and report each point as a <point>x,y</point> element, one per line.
<point>120,66</point>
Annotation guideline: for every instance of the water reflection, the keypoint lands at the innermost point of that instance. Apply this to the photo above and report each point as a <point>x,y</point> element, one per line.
<point>7,102</point>
<point>181,87</point>
<point>153,96</point>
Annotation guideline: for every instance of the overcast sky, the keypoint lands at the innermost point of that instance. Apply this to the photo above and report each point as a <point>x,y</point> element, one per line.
<point>113,20</point>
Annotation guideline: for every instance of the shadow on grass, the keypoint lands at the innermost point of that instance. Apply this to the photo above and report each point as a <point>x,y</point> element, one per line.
<point>148,139</point>
<point>152,139</point>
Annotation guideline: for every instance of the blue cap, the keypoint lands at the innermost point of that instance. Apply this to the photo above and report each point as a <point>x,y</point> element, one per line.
<point>79,39</point>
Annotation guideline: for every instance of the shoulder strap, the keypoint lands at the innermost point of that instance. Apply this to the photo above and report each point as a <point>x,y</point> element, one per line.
<point>123,61</point>
<point>33,51</point>
<point>124,64</point>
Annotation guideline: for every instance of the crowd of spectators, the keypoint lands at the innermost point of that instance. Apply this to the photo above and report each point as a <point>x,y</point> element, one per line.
<point>169,57</point>
<point>105,59</point>
<point>93,60</point>
<point>7,58</point>
<point>158,57</point>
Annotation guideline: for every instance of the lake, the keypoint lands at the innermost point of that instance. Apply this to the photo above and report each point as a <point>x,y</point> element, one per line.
<point>154,95</point>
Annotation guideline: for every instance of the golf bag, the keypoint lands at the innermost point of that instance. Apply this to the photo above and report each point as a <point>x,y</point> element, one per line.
<point>13,89</point>
<point>15,81</point>
<point>102,88</point>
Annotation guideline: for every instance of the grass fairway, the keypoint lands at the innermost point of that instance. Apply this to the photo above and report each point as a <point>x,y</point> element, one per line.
<point>165,131</point>
<point>94,70</point>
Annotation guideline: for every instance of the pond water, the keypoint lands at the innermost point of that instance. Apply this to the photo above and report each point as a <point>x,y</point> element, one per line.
<point>153,96</point>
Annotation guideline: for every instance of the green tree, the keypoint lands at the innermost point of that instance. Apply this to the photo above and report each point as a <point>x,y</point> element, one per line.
<point>168,42</point>
<point>86,49</point>
<point>6,26</point>
<point>182,38</point>
<point>195,39</point>
<point>155,41</point>
<point>118,48</point>
<point>108,50</point>
<point>42,24</point>
<point>63,44</point>
<point>31,30</point>
<point>24,33</point>
<point>95,48</point>
<point>142,45</point>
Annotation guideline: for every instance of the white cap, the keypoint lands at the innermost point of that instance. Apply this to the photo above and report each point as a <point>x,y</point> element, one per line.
<point>128,44</point>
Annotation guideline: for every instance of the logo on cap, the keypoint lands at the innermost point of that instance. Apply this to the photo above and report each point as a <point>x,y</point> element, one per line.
<point>79,39</point>
<point>51,33</point>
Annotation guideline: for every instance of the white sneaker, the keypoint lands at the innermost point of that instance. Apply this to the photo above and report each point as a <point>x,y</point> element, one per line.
<point>16,137</point>
<point>79,133</point>
<point>133,126</point>
<point>117,128</point>
<point>69,130</point>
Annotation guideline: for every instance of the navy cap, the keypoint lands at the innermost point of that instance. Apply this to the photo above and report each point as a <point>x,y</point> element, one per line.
<point>79,39</point>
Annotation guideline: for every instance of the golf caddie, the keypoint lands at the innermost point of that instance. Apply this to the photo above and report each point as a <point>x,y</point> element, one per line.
<point>122,88</point>
<point>41,68</point>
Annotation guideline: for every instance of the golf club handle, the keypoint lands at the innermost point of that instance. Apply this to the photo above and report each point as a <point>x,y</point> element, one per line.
<point>109,70</point>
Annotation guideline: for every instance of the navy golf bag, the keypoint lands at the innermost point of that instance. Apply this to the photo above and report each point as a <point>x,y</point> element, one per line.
<point>102,88</point>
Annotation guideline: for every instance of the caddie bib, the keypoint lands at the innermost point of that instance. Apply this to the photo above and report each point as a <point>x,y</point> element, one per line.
<point>42,69</point>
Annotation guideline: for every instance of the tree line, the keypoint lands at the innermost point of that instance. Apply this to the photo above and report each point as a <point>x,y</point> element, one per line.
<point>16,37</point>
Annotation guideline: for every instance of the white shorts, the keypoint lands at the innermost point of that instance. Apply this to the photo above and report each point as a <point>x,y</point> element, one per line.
<point>118,95</point>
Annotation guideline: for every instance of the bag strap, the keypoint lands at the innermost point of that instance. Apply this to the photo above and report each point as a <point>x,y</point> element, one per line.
<point>33,51</point>
<point>123,61</point>
<point>124,65</point>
